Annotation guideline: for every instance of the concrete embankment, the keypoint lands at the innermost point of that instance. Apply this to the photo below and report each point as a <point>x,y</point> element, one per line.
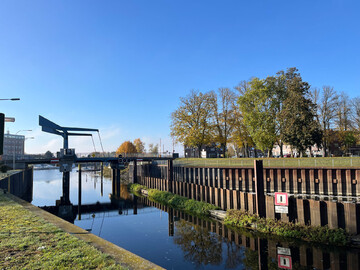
<point>33,238</point>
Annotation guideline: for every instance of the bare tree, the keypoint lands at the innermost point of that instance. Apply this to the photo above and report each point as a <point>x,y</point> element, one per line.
<point>343,113</point>
<point>243,87</point>
<point>327,109</point>
<point>356,113</point>
<point>224,105</point>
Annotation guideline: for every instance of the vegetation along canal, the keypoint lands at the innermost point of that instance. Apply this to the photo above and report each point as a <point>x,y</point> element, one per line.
<point>177,240</point>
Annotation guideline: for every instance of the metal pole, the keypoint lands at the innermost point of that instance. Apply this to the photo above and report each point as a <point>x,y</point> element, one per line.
<point>79,194</point>
<point>102,177</point>
<point>14,156</point>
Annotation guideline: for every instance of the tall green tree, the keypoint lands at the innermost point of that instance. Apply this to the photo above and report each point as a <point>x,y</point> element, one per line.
<point>240,136</point>
<point>277,91</point>
<point>256,106</point>
<point>191,122</point>
<point>300,127</point>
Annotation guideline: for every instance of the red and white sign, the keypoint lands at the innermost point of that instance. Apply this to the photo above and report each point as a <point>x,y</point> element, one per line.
<point>284,262</point>
<point>281,199</point>
<point>54,160</point>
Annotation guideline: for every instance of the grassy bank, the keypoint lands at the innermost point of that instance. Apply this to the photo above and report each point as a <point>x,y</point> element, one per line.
<point>175,201</point>
<point>338,162</point>
<point>324,235</point>
<point>29,242</point>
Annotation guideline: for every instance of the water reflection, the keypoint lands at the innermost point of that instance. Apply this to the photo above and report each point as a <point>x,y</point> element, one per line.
<point>177,240</point>
<point>198,244</point>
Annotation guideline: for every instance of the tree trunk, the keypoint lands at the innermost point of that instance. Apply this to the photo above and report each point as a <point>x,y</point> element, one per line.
<point>281,149</point>
<point>199,150</point>
<point>223,145</point>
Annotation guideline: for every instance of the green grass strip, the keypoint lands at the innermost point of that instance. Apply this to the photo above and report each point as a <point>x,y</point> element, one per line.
<point>29,242</point>
<point>176,201</point>
<point>326,162</point>
<point>318,234</point>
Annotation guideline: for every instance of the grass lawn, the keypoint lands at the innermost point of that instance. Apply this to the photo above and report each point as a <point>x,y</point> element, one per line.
<point>29,242</point>
<point>335,162</point>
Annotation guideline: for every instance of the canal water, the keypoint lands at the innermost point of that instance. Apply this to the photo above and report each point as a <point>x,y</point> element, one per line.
<point>176,240</point>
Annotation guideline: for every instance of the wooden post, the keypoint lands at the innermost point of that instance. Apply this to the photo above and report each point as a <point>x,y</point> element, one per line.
<point>170,171</point>
<point>79,193</point>
<point>259,188</point>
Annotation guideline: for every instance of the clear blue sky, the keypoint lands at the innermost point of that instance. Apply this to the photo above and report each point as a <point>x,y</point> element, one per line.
<point>121,66</point>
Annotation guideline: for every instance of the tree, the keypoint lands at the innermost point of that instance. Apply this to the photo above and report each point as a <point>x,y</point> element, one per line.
<point>277,90</point>
<point>126,147</point>
<point>300,127</point>
<point>224,104</point>
<point>154,149</point>
<point>259,117</point>
<point>346,138</point>
<point>191,122</point>
<point>48,154</point>
<point>356,113</point>
<point>327,108</point>
<point>139,145</point>
<point>343,114</point>
<point>240,136</point>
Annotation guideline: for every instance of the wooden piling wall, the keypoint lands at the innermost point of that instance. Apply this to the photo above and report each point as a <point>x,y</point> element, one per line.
<point>317,196</point>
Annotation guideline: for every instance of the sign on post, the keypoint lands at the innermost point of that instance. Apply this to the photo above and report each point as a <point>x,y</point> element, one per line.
<point>281,198</point>
<point>284,262</point>
<point>281,203</point>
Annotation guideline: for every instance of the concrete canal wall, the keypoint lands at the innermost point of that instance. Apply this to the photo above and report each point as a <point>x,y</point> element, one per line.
<point>19,184</point>
<point>318,196</point>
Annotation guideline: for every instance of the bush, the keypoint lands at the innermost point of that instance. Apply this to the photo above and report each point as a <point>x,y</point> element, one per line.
<point>175,201</point>
<point>318,234</point>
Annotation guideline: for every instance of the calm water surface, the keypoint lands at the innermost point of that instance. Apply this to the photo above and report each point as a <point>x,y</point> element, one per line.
<point>175,240</point>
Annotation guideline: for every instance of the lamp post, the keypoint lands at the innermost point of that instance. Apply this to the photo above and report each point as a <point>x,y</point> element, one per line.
<point>12,99</point>
<point>15,146</point>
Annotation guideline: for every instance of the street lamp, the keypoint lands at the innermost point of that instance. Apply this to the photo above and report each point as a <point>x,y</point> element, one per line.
<point>12,99</point>
<point>15,145</point>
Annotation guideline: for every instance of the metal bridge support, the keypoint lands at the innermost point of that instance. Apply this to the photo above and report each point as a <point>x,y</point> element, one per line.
<point>135,172</point>
<point>65,199</point>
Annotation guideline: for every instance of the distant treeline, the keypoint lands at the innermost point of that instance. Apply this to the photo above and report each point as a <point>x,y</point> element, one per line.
<point>261,113</point>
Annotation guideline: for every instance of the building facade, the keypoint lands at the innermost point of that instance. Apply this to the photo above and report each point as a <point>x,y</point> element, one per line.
<point>13,144</point>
